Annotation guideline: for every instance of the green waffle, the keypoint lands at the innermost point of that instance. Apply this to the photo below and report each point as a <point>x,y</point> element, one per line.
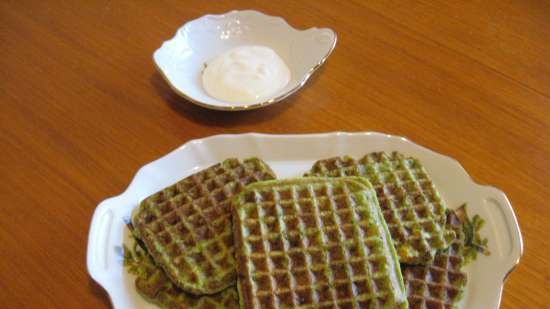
<point>153,285</point>
<point>314,243</point>
<point>410,203</point>
<point>439,285</point>
<point>186,227</point>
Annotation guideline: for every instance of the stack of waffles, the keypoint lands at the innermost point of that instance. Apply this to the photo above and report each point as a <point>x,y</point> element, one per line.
<point>426,234</point>
<point>369,233</point>
<point>186,235</point>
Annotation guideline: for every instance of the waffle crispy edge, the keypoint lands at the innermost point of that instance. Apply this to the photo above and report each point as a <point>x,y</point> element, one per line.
<point>154,286</point>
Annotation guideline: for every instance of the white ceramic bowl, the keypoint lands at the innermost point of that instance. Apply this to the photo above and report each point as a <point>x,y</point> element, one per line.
<point>181,59</point>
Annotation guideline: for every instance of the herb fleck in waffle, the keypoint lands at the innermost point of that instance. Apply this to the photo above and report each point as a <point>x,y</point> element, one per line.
<point>314,243</point>
<point>410,203</point>
<point>438,285</point>
<point>153,284</point>
<point>186,227</point>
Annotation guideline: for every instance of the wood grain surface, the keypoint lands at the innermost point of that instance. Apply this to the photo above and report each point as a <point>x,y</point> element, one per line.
<point>82,108</point>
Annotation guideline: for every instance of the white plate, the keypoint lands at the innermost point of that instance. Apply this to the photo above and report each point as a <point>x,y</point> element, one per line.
<point>292,155</point>
<point>181,59</point>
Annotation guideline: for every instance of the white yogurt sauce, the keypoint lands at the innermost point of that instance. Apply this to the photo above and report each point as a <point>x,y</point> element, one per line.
<point>245,74</point>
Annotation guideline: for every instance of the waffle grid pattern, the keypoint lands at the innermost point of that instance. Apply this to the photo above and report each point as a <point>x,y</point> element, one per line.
<point>153,284</point>
<point>314,243</point>
<point>439,285</point>
<point>412,207</point>
<point>187,226</point>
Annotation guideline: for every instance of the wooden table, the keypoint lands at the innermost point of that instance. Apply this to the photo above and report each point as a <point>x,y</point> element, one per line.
<point>82,108</point>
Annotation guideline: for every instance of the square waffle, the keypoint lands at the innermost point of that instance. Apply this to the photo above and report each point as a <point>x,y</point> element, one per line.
<point>314,243</point>
<point>186,227</point>
<point>153,285</point>
<point>410,203</point>
<point>439,285</point>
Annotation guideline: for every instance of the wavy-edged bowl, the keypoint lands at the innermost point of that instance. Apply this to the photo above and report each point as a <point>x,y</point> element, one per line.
<point>181,59</point>
<point>291,156</point>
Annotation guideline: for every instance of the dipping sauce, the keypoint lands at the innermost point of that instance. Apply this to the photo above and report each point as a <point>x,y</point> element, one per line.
<point>245,74</point>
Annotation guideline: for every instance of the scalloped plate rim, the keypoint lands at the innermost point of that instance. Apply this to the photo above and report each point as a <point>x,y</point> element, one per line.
<point>103,207</point>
